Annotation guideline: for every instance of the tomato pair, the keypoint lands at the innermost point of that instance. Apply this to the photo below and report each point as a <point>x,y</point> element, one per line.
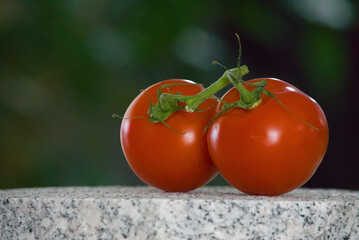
<point>268,150</point>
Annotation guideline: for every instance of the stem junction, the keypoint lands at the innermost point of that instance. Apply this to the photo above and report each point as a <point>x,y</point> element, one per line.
<point>168,103</point>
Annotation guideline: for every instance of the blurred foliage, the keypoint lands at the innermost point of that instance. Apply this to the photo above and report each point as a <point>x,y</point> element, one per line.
<point>66,66</point>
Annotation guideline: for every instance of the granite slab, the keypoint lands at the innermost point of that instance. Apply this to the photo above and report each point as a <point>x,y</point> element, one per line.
<point>118,212</point>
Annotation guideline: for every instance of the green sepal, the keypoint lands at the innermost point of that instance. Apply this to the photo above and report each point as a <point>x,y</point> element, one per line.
<point>268,93</point>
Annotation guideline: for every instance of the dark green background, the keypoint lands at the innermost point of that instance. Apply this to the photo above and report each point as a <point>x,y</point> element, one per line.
<point>67,66</point>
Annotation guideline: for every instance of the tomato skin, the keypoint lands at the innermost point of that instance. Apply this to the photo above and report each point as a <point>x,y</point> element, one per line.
<point>172,161</point>
<point>267,150</point>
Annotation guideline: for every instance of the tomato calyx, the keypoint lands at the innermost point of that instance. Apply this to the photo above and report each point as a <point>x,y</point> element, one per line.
<point>249,99</point>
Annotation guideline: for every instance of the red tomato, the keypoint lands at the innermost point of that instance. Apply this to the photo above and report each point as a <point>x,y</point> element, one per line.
<point>267,150</point>
<point>174,161</point>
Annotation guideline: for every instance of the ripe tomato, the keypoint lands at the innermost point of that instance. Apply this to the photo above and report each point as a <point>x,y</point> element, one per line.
<point>174,161</point>
<point>267,150</point>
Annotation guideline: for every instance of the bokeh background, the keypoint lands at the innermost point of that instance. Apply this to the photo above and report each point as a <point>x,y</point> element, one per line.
<point>67,66</point>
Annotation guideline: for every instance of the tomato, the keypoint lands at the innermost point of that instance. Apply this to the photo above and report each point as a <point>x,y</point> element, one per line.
<point>174,160</point>
<point>268,150</point>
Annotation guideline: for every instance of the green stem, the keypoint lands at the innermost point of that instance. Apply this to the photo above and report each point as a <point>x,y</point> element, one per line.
<point>246,95</point>
<point>168,102</point>
<point>193,102</point>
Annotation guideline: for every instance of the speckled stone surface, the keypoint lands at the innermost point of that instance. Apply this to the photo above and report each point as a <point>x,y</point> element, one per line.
<point>147,213</point>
